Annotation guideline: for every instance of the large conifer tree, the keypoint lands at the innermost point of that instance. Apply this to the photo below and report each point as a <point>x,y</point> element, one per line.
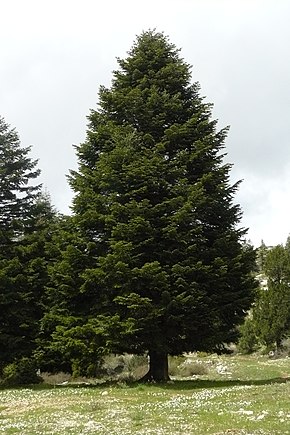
<point>154,202</point>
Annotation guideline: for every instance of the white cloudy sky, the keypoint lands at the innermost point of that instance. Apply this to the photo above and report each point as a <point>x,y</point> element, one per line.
<point>55,54</point>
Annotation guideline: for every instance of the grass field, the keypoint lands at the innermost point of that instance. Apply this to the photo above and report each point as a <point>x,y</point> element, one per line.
<point>238,395</point>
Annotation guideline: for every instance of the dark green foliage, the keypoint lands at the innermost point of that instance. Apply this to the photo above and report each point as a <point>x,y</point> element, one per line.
<point>261,257</point>
<point>248,341</point>
<point>21,372</point>
<point>17,194</point>
<point>26,220</point>
<point>23,279</point>
<point>62,326</point>
<point>74,346</point>
<point>162,266</point>
<point>272,309</point>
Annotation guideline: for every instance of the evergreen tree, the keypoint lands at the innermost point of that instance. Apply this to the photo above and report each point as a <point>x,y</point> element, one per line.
<point>248,341</point>
<point>25,215</point>
<point>272,308</point>
<point>23,279</point>
<point>168,267</point>
<point>17,194</point>
<point>59,347</point>
<point>261,257</point>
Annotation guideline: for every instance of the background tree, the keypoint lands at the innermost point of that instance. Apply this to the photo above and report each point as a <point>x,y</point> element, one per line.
<point>66,342</point>
<point>25,215</point>
<point>261,257</point>
<point>168,267</point>
<point>17,193</point>
<point>248,341</point>
<point>272,308</point>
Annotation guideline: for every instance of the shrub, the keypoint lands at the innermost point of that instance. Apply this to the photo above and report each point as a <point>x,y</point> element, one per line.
<point>174,364</point>
<point>56,378</point>
<point>126,366</point>
<point>135,366</point>
<point>21,372</point>
<point>248,342</point>
<point>202,354</point>
<point>185,367</point>
<point>190,368</point>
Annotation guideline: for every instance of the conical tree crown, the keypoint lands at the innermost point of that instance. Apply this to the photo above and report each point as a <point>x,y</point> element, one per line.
<point>17,170</point>
<point>152,89</point>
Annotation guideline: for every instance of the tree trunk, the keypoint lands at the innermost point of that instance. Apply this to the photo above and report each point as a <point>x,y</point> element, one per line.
<point>158,367</point>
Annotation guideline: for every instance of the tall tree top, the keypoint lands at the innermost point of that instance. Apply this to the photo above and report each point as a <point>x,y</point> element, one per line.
<point>153,59</point>
<point>17,170</point>
<point>152,90</point>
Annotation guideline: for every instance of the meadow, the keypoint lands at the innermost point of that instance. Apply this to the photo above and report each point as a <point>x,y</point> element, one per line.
<point>235,395</point>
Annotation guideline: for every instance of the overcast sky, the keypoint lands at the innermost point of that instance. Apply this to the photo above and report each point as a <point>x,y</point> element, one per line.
<point>55,54</point>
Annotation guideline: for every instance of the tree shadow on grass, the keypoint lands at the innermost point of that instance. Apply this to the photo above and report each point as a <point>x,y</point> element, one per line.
<point>173,385</point>
<point>181,385</point>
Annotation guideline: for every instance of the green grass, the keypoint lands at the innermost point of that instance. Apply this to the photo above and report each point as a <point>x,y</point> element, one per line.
<point>239,395</point>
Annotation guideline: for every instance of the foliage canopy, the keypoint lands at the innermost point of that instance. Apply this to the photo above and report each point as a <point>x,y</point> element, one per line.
<point>157,262</point>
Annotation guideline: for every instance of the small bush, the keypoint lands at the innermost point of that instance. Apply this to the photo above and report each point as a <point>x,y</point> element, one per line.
<point>112,365</point>
<point>202,354</point>
<point>134,362</point>
<point>56,378</point>
<point>174,364</point>
<point>248,342</point>
<point>124,367</point>
<point>190,368</point>
<point>185,367</point>
<point>21,372</point>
